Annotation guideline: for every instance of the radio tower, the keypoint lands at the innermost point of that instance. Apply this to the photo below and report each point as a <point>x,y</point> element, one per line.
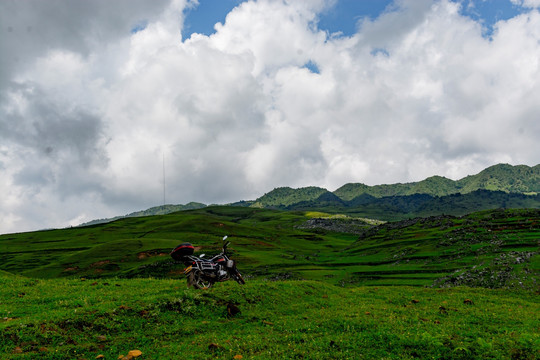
<point>164,179</point>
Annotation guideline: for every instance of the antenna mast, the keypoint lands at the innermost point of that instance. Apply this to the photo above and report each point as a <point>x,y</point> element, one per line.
<point>164,179</point>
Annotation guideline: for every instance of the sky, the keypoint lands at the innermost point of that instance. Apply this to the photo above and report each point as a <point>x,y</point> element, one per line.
<point>109,107</point>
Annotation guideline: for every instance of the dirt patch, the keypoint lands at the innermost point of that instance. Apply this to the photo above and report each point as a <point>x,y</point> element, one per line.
<point>104,265</point>
<point>262,243</point>
<point>147,254</point>
<point>100,263</point>
<point>176,272</point>
<point>73,268</point>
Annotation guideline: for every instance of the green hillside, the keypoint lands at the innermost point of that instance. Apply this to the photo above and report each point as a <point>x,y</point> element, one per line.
<point>392,208</point>
<point>286,196</point>
<point>435,185</point>
<point>129,246</point>
<point>500,186</point>
<point>485,249</point>
<point>156,210</point>
<point>318,286</point>
<point>502,177</point>
<point>272,244</point>
<point>350,191</point>
<point>167,209</point>
<point>397,201</point>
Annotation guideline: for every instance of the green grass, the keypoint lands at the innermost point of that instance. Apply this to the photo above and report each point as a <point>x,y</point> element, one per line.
<point>389,293</point>
<point>74,319</point>
<point>277,244</point>
<point>126,247</point>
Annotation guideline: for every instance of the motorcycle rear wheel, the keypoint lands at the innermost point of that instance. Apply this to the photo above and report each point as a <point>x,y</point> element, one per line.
<point>196,280</point>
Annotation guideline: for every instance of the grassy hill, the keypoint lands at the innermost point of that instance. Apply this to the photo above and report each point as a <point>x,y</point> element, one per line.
<point>392,208</point>
<point>499,186</point>
<point>319,284</point>
<point>418,288</point>
<point>286,196</point>
<point>397,201</point>
<point>502,177</point>
<point>156,210</point>
<point>131,246</point>
<point>272,244</point>
<point>162,319</point>
<point>486,249</point>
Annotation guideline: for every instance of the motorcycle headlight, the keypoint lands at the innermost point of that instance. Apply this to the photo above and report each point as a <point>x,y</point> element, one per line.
<point>230,264</point>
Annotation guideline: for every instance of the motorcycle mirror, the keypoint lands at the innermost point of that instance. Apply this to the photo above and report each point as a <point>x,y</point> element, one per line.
<point>202,255</point>
<point>225,237</point>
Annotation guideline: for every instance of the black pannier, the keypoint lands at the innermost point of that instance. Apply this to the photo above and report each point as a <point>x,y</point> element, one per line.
<point>182,250</point>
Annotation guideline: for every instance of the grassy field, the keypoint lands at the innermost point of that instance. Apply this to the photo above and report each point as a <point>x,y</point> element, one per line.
<point>133,246</point>
<point>83,319</point>
<point>440,287</point>
<point>487,249</point>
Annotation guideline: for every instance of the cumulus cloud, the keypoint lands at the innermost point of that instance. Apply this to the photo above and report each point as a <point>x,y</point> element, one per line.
<point>527,3</point>
<point>94,98</point>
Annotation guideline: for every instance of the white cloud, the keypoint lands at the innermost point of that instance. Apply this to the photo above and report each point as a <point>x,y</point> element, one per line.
<point>527,3</point>
<point>275,33</point>
<point>87,117</point>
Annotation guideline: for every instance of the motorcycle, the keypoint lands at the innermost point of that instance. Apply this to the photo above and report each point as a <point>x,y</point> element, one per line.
<point>203,273</point>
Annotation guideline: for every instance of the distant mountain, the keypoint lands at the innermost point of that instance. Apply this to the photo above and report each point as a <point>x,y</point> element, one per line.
<point>499,186</point>
<point>503,177</point>
<point>285,196</point>
<point>167,209</point>
<point>156,210</point>
<point>391,208</point>
<point>325,200</point>
<point>435,185</point>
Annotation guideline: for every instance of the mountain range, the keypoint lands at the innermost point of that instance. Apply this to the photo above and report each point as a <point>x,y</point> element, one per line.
<point>519,179</point>
<point>498,186</point>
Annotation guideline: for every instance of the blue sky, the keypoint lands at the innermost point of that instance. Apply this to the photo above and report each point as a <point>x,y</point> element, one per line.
<point>344,15</point>
<point>340,18</point>
<point>202,18</point>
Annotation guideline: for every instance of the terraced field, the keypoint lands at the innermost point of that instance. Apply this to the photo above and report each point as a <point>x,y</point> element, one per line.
<point>418,251</point>
<point>498,248</point>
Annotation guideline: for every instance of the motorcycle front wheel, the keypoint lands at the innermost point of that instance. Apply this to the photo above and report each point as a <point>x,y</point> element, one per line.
<point>237,276</point>
<point>195,279</point>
